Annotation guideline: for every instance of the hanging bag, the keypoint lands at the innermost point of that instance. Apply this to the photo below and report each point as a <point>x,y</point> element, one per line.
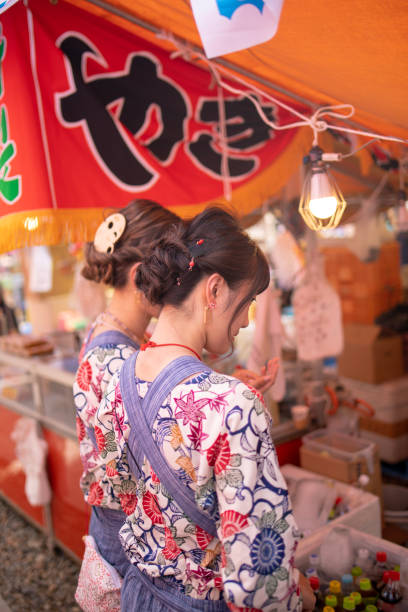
<point>99,583</point>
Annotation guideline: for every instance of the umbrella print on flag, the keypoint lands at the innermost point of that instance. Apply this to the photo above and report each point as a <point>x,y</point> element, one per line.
<point>226,26</point>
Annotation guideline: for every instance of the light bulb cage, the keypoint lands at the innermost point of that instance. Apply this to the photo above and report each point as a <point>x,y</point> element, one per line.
<point>316,166</point>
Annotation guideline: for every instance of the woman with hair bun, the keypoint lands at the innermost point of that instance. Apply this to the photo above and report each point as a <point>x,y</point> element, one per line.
<point>120,244</point>
<point>212,527</point>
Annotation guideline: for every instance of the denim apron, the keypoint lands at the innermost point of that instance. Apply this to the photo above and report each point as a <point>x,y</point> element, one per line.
<point>139,591</point>
<point>105,523</point>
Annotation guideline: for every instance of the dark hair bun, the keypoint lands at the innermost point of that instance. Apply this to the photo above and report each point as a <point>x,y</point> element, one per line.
<point>215,243</point>
<point>98,266</point>
<point>146,222</point>
<point>158,273</point>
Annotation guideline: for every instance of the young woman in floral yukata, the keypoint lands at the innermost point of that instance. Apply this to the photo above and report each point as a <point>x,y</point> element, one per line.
<point>212,432</point>
<point>116,335</point>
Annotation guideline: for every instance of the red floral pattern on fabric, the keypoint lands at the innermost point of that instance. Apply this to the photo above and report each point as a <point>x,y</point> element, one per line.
<point>80,429</point>
<point>188,409</point>
<point>155,480</point>
<point>128,502</point>
<point>84,376</point>
<point>111,468</point>
<point>203,538</point>
<point>100,438</point>
<point>151,507</point>
<point>95,494</point>
<point>171,550</point>
<point>218,582</point>
<point>219,454</point>
<point>257,393</point>
<point>232,522</point>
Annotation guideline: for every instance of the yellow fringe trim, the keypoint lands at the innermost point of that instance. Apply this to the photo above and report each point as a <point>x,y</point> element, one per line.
<point>69,225</point>
<point>49,227</point>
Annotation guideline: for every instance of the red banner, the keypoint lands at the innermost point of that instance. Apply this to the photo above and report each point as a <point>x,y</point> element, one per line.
<point>93,117</point>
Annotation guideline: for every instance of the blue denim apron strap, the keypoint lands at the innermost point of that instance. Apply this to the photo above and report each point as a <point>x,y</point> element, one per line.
<point>108,339</point>
<point>141,438</point>
<point>140,592</point>
<point>104,527</point>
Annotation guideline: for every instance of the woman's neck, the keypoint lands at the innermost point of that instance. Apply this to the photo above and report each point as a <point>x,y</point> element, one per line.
<point>129,312</point>
<point>177,327</point>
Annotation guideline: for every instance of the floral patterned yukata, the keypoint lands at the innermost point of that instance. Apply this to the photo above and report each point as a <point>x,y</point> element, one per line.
<point>100,482</point>
<point>213,432</point>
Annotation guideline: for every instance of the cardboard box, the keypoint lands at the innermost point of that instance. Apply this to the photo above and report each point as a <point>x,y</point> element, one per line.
<point>364,511</point>
<point>342,458</point>
<point>370,356</point>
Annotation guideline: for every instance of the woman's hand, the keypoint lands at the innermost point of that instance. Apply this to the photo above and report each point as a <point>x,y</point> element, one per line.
<point>263,381</point>
<point>309,599</point>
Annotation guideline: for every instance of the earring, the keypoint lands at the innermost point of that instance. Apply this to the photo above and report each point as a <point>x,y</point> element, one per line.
<point>209,306</point>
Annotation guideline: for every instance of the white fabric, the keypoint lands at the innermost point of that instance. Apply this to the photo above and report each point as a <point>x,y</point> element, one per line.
<point>31,451</point>
<point>318,323</point>
<point>226,26</point>
<point>267,341</point>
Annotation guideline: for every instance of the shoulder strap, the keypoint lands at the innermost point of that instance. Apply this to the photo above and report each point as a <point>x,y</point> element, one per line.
<point>141,439</point>
<point>109,338</point>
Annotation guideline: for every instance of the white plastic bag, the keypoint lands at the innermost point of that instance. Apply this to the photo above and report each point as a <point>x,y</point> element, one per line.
<point>31,451</point>
<point>318,323</point>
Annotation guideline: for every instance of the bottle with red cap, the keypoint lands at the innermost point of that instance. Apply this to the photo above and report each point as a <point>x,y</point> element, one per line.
<point>315,584</point>
<point>380,566</point>
<point>391,595</point>
<point>383,581</point>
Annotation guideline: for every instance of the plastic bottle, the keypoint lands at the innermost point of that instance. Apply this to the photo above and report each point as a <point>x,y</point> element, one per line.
<point>331,600</point>
<point>391,595</point>
<point>314,563</point>
<point>380,566</point>
<point>315,584</point>
<point>356,572</point>
<point>368,592</point>
<point>382,582</point>
<point>360,606</point>
<point>347,584</point>
<point>348,604</point>
<point>363,560</point>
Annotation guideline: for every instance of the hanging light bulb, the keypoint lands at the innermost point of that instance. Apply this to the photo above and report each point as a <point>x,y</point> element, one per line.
<point>321,204</point>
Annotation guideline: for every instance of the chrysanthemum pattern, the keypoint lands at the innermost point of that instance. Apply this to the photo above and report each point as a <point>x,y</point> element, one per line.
<point>213,433</point>
<point>103,471</point>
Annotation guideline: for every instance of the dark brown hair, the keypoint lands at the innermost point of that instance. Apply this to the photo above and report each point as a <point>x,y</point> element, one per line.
<point>164,276</point>
<point>146,221</point>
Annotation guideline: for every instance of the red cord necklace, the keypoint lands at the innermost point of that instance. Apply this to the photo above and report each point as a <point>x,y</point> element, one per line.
<point>152,344</point>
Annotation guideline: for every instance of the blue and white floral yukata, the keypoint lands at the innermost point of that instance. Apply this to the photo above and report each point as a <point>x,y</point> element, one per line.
<point>213,432</point>
<point>104,482</point>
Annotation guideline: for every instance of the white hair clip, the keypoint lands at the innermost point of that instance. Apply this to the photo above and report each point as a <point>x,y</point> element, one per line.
<point>109,232</point>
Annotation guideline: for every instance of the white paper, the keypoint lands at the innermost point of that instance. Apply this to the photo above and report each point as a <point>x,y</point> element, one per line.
<point>226,26</point>
<point>6,5</point>
<point>40,271</point>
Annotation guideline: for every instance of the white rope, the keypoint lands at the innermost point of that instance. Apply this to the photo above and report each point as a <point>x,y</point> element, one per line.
<point>315,122</point>
<point>224,146</point>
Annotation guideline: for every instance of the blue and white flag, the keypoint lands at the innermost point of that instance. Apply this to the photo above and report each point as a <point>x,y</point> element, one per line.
<point>226,26</point>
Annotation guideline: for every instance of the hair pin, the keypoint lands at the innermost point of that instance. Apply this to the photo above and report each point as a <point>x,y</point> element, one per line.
<point>109,232</point>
